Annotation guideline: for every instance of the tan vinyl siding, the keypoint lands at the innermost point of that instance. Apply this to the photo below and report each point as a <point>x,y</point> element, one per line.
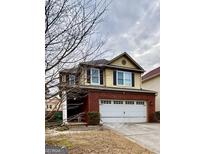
<point>83,78</point>
<point>154,84</point>
<point>118,62</point>
<point>138,80</point>
<point>53,104</point>
<point>109,79</point>
<point>108,74</point>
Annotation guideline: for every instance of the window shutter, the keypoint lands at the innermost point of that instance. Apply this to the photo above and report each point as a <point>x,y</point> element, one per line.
<point>114,77</point>
<point>88,75</point>
<point>133,79</point>
<point>101,76</point>
<point>77,78</point>
<point>64,78</point>
<point>67,78</point>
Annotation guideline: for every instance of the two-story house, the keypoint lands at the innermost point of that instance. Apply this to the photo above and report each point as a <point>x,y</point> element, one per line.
<point>111,87</point>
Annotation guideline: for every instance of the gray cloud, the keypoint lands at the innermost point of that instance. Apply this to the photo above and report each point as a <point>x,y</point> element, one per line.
<point>134,26</point>
<point>149,59</point>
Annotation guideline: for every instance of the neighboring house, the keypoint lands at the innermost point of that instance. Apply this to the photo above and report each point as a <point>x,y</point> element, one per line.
<point>151,81</point>
<point>53,104</point>
<point>111,87</point>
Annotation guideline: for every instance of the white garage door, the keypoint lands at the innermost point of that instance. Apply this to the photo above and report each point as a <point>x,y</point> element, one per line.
<point>123,111</point>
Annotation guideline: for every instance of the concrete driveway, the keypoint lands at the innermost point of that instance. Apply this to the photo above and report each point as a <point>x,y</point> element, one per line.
<point>147,134</point>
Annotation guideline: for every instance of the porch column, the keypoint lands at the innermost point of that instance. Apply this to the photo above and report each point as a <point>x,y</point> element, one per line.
<point>64,105</point>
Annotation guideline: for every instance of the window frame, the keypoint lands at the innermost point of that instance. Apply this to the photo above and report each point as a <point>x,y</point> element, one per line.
<point>69,80</point>
<point>124,72</point>
<point>105,101</point>
<point>118,102</point>
<point>129,102</point>
<point>91,74</point>
<point>122,77</point>
<point>140,102</point>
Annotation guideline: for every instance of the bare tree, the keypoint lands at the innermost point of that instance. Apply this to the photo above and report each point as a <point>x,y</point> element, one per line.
<point>70,36</point>
<point>70,28</point>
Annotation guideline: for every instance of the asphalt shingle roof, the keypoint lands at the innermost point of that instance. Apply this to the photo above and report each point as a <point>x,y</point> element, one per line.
<point>96,62</point>
<point>151,74</point>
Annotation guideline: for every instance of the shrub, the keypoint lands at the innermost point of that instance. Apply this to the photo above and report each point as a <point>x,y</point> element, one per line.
<point>54,116</point>
<point>58,116</point>
<point>93,118</point>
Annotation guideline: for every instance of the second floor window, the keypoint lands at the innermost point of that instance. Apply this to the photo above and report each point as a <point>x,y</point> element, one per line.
<point>124,78</point>
<point>71,79</point>
<point>128,78</point>
<point>95,76</point>
<point>120,78</point>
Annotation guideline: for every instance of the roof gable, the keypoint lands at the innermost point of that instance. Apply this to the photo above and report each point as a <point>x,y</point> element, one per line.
<point>117,63</point>
<point>124,60</point>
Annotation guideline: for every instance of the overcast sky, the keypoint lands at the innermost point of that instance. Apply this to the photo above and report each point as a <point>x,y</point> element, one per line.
<point>134,26</point>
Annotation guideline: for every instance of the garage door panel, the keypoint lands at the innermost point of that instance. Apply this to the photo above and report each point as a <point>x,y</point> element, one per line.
<point>108,110</point>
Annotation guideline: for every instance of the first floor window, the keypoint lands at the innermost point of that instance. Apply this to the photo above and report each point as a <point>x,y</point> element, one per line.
<point>95,76</point>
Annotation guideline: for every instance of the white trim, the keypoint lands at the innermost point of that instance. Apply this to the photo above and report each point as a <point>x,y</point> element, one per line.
<point>64,106</point>
<point>124,101</point>
<point>91,77</point>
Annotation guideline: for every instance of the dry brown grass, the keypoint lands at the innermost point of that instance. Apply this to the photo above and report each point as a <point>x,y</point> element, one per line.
<point>96,142</point>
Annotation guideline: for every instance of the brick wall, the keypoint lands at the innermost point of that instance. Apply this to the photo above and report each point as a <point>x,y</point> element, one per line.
<point>92,100</point>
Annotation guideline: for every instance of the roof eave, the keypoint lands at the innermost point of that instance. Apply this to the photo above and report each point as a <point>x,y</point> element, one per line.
<point>115,66</point>
<point>118,89</point>
<point>151,77</point>
<point>125,68</point>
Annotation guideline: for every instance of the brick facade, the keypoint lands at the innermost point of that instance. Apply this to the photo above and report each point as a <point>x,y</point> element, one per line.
<point>91,102</point>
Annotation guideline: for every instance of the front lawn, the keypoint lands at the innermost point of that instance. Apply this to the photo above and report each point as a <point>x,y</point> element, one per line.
<point>94,141</point>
